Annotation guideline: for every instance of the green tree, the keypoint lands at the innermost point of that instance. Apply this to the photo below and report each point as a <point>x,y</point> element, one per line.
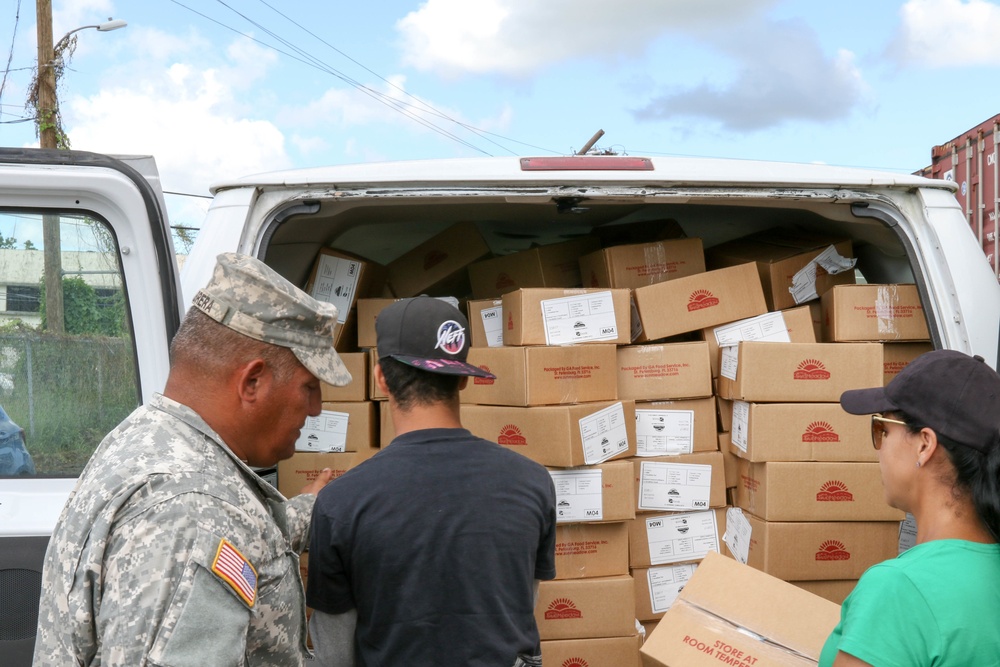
<point>87,313</point>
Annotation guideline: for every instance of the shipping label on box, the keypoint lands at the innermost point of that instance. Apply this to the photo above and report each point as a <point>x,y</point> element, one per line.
<point>326,432</point>
<point>823,491</point>
<point>800,372</point>
<point>664,432</point>
<point>732,614</point>
<point>578,494</point>
<point>486,322</point>
<point>604,434</point>
<point>820,550</point>
<point>657,372</point>
<point>666,583</point>
<point>737,535</point>
<point>688,426</point>
<point>678,538</point>
<point>805,283</point>
<point>549,316</point>
<point>674,486</point>
<point>800,432</point>
<point>579,319</point>
<point>339,427</point>
<point>699,301</point>
<point>584,608</point>
<point>591,550</point>
<point>562,436</point>
<point>335,280</point>
<point>787,326</point>
<point>604,492</point>
<point>874,313</point>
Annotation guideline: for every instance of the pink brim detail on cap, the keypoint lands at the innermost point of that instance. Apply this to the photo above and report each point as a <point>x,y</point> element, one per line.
<point>444,366</point>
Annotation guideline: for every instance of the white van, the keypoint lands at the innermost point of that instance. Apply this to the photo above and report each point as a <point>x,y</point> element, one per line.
<point>124,296</point>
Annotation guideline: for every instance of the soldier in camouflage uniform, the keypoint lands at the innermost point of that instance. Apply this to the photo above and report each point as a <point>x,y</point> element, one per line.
<point>171,551</point>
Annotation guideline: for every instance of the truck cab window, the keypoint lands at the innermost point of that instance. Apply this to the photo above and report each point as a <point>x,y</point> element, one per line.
<point>67,360</point>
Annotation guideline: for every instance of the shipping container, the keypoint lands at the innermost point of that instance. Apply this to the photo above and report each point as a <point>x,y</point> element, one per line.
<point>970,160</point>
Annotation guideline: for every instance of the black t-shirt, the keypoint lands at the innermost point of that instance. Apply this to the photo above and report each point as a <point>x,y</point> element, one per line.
<point>436,541</point>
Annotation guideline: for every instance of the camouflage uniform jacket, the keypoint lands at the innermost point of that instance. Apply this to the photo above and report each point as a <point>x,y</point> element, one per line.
<point>172,552</point>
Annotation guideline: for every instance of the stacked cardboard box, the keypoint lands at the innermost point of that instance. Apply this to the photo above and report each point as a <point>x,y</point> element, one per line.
<point>809,486</point>
<point>673,423</point>
<point>555,400</point>
<point>891,314</point>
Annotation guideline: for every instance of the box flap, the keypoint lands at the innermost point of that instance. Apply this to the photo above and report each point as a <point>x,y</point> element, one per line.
<point>778,612</point>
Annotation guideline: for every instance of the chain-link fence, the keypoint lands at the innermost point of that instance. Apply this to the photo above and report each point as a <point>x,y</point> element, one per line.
<point>66,392</point>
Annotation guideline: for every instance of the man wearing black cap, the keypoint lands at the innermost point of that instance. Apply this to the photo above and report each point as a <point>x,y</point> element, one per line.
<point>429,552</point>
<point>936,427</point>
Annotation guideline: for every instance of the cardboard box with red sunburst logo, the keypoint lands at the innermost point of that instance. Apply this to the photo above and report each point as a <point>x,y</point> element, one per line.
<point>594,652</point>
<point>798,372</point>
<point>807,491</point>
<point>799,432</point>
<point>820,550</point>
<point>699,301</point>
<point>586,608</point>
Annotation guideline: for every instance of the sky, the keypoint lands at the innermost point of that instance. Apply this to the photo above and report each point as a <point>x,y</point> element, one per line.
<point>217,89</point>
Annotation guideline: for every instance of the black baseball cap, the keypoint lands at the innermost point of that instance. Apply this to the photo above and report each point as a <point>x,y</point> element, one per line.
<point>956,395</point>
<point>428,334</point>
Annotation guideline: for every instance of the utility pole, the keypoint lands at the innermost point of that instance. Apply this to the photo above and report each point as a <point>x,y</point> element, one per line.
<point>47,110</point>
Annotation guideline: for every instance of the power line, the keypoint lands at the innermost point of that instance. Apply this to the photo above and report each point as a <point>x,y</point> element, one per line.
<point>426,107</point>
<point>13,39</point>
<point>325,68</point>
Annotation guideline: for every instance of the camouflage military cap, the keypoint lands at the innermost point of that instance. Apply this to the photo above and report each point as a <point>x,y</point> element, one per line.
<point>251,298</point>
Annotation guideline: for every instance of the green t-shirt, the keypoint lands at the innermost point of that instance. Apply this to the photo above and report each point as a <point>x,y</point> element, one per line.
<point>937,604</point>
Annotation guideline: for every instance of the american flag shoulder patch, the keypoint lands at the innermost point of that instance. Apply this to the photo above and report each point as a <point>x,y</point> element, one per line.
<point>234,569</point>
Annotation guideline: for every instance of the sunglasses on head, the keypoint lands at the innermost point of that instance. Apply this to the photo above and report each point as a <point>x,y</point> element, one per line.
<point>878,428</point>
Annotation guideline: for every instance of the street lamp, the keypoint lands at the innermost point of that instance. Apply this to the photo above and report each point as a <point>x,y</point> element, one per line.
<point>46,107</point>
<point>50,135</point>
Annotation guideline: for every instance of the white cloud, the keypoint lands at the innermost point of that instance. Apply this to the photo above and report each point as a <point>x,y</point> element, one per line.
<point>387,105</point>
<point>948,33</point>
<point>188,118</point>
<point>782,74</point>
<point>518,37</point>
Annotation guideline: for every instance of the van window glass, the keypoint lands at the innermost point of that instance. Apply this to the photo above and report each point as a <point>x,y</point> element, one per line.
<point>67,362</point>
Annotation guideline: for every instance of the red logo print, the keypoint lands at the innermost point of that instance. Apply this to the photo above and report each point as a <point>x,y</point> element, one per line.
<point>811,369</point>
<point>575,662</point>
<point>820,432</point>
<point>834,491</point>
<point>833,550</point>
<point>561,608</point>
<point>511,435</point>
<point>479,380</point>
<point>700,299</point>
<point>434,257</point>
<point>504,281</point>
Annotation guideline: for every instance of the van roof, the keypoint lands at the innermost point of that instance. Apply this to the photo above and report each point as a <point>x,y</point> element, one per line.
<point>508,170</point>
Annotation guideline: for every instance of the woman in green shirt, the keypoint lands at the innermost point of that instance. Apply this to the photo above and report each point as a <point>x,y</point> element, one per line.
<point>936,427</point>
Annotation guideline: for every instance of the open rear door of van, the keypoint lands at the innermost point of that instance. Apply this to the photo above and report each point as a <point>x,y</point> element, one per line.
<point>88,303</point>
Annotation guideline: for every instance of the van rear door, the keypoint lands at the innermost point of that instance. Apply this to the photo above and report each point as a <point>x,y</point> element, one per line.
<point>92,228</point>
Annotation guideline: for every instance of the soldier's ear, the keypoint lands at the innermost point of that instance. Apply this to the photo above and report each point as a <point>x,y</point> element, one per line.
<point>250,380</point>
